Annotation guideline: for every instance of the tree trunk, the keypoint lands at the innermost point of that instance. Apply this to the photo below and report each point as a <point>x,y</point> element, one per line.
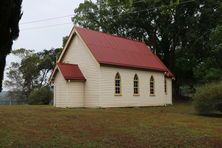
<point>2,67</point>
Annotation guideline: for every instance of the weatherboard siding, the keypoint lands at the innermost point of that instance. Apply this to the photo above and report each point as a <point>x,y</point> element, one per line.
<point>78,53</point>
<point>127,99</point>
<point>68,94</point>
<point>169,91</point>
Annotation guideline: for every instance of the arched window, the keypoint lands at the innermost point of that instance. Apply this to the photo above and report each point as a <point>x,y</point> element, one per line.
<point>117,84</point>
<point>165,85</point>
<point>152,86</point>
<point>136,85</point>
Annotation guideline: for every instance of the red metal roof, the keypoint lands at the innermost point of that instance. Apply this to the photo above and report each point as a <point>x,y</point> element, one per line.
<point>71,71</point>
<point>117,51</point>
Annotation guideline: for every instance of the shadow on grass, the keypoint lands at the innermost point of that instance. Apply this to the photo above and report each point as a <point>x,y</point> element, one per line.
<point>212,115</point>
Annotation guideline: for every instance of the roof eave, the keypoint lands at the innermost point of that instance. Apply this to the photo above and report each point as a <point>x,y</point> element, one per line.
<point>170,75</point>
<point>71,34</point>
<point>53,74</point>
<point>76,79</point>
<point>131,66</point>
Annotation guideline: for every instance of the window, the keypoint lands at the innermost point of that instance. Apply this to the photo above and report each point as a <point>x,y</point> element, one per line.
<point>152,86</point>
<point>117,84</point>
<point>165,85</point>
<point>136,85</point>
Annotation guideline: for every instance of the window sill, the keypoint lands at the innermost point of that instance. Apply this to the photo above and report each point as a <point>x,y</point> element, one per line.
<point>117,94</point>
<point>136,94</point>
<point>152,95</point>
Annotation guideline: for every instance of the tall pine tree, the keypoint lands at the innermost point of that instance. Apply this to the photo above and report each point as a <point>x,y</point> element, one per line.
<point>10,15</point>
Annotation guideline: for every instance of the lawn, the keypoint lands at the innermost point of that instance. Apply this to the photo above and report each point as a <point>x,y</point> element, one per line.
<point>46,126</point>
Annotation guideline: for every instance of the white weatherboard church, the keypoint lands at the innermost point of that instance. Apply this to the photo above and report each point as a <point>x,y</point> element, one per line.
<point>101,70</point>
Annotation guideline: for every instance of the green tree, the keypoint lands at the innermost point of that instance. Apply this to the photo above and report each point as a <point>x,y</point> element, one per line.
<point>41,96</point>
<point>208,99</point>
<point>10,15</point>
<point>32,72</point>
<point>14,82</point>
<point>64,40</point>
<point>46,64</point>
<point>36,67</point>
<point>210,69</point>
<point>216,45</point>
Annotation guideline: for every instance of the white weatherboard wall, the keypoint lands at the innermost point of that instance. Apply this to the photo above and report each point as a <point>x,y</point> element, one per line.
<point>169,91</point>
<point>108,98</point>
<point>78,53</point>
<point>68,94</point>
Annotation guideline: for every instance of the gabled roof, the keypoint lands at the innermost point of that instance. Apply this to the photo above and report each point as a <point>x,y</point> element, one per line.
<point>117,51</point>
<point>70,71</point>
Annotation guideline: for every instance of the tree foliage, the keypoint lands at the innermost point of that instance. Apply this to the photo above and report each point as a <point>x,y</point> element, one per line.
<point>208,99</point>
<point>41,96</point>
<point>32,72</point>
<point>14,82</point>
<point>10,14</point>
<point>210,69</point>
<point>179,32</point>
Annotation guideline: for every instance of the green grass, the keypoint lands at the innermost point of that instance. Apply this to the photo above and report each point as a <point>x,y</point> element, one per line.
<point>45,126</point>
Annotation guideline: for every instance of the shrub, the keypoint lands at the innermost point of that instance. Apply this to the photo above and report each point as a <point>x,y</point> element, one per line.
<point>41,96</point>
<point>208,99</point>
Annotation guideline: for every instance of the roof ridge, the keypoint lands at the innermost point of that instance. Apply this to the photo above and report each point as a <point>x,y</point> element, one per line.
<point>121,37</point>
<point>133,66</point>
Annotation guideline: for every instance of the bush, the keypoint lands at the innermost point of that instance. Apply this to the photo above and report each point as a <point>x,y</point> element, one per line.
<point>41,96</point>
<point>208,99</point>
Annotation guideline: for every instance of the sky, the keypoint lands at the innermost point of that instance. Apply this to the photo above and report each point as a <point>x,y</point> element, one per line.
<point>37,34</point>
